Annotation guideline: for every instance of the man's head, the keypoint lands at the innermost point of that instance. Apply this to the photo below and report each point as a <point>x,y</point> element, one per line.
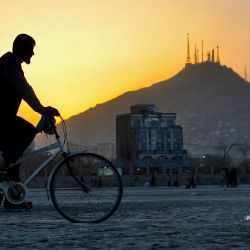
<point>23,47</point>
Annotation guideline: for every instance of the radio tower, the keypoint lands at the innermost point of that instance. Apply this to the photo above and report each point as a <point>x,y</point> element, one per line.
<point>188,60</point>
<point>218,57</point>
<point>195,54</point>
<point>202,50</point>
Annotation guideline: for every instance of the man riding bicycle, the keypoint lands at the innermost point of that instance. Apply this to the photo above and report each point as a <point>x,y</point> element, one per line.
<point>16,133</point>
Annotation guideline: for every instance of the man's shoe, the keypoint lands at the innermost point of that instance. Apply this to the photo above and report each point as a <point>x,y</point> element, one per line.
<point>25,205</point>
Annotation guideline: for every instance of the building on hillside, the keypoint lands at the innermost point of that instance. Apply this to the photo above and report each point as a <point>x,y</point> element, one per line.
<point>148,139</point>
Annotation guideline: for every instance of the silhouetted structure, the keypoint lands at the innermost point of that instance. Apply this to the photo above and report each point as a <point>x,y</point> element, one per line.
<point>210,54</point>
<point>188,60</point>
<point>191,182</point>
<point>146,138</point>
<point>218,56</point>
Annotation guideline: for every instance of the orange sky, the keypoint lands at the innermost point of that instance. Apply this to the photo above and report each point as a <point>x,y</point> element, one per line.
<point>89,51</point>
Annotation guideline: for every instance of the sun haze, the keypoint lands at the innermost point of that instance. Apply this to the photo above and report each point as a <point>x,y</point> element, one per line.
<point>89,51</point>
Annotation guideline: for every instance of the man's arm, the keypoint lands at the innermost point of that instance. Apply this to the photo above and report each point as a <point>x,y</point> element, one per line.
<point>16,78</point>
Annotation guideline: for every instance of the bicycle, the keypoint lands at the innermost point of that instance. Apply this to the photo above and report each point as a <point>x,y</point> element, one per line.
<point>74,193</point>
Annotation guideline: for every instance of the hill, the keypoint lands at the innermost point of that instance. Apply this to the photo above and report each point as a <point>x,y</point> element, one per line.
<point>211,102</point>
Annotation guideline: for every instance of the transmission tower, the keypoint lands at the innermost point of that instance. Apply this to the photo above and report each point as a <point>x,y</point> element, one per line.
<point>218,56</point>
<point>188,60</point>
<point>202,50</point>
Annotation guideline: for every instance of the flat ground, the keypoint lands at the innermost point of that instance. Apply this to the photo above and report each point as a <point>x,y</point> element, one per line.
<point>155,218</point>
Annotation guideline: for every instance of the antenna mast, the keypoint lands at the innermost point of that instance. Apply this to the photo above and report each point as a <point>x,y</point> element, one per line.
<point>218,57</point>
<point>188,60</point>
<point>202,50</point>
<point>195,54</point>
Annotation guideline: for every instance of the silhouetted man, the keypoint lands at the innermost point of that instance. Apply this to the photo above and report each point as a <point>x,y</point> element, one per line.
<point>16,133</point>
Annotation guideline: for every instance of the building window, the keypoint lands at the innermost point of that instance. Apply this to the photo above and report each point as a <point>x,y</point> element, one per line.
<point>159,146</point>
<point>143,134</point>
<point>164,122</point>
<point>171,122</point>
<point>177,135</point>
<point>167,145</point>
<point>177,146</point>
<point>152,122</point>
<point>159,134</point>
<point>167,134</point>
<point>143,146</point>
<point>136,122</point>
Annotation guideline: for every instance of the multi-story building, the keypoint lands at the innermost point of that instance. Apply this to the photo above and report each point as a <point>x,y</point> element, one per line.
<point>146,138</point>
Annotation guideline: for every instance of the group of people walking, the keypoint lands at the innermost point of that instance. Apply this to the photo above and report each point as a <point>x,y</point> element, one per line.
<point>229,179</point>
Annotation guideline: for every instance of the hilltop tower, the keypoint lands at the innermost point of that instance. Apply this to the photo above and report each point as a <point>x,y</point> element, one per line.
<point>208,56</point>
<point>195,54</point>
<point>202,50</point>
<point>218,57</point>
<point>212,55</point>
<point>188,60</point>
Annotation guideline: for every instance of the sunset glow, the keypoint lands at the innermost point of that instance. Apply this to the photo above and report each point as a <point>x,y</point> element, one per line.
<point>90,51</point>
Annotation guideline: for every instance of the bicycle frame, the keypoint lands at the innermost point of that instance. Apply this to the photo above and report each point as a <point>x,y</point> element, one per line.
<point>16,192</point>
<point>44,164</point>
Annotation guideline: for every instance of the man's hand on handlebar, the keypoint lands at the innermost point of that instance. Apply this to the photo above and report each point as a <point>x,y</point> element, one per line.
<point>50,111</point>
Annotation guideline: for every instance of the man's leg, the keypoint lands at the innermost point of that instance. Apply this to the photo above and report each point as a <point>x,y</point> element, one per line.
<point>19,136</point>
<point>15,137</point>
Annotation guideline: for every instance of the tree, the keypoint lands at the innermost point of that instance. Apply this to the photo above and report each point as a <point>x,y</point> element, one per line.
<point>227,149</point>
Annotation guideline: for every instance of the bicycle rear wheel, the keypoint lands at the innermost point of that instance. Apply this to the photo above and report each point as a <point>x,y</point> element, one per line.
<point>86,188</point>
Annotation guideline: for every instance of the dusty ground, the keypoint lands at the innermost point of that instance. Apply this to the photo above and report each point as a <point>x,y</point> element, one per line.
<point>155,218</point>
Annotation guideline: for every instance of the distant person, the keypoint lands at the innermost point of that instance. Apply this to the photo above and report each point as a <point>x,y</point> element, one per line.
<point>146,183</point>
<point>100,182</point>
<point>228,178</point>
<point>169,181</point>
<point>153,180</point>
<point>234,178</point>
<point>176,181</point>
<point>16,133</point>
<point>191,182</point>
<point>223,178</point>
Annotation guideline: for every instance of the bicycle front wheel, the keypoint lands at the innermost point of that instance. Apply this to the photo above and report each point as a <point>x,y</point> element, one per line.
<point>86,188</point>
